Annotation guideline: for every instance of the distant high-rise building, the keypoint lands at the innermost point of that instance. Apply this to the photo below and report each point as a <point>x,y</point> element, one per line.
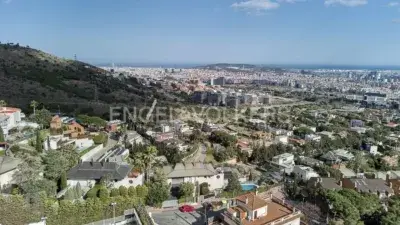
<point>220,81</point>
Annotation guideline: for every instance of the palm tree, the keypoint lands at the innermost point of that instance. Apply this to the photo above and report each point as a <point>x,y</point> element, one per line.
<point>149,156</point>
<point>3,103</point>
<point>34,104</point>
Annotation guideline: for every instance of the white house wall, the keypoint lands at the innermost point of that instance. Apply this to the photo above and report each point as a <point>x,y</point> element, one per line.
<point>7,178</point>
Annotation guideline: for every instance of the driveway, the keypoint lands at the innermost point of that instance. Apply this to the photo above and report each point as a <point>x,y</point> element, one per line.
<point>200,155</point>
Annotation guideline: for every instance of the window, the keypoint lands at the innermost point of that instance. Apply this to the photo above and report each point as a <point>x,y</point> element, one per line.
<point>218,176</point>
<point>131,181</point>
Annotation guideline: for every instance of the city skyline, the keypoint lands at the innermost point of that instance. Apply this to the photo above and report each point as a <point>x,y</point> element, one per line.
<point>278,32</point>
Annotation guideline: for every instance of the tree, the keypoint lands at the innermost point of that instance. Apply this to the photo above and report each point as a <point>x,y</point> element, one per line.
<point>55,164</point>
<point>302,131</point>
<point>3,103</point>
<point>43,117</point>
<point>204,190</point>
<point>34,104</point>
<point>392,217</point>
<point>103,193</point>
<point>101,138</point>
<point>92,193</point>
<point>142,191</point>
<point>63,181</point>
<point>343,208</point>
<point>159,189</point>
<point>131,191</point>
<point>186,189</point>
<point>2,139</point>
<point>123,191</point>
<point>28,170</point>
<point>70,194</point>
<point>69,153</point>
<point>145,160</point>
<point>114,192</point>
<point>38,147</point>
<point>234,184</point>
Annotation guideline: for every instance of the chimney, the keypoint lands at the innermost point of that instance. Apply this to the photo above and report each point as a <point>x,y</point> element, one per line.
<point>340,183</point>
<point>329,174</point>
<point>390,184</point>
<point>256,192</point>
<point>247,200</point>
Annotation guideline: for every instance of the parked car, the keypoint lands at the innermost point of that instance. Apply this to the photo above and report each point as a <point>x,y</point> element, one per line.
<point>186,208</point>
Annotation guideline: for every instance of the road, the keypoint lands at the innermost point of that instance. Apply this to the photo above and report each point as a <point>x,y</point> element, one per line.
<point>110,144</point>
<point>200,155</point>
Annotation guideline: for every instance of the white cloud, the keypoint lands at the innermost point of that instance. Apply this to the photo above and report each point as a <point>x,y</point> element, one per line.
<point>349,3</point>
<point>255,5</point>
<point>396,21</point>
<point>393,4</point>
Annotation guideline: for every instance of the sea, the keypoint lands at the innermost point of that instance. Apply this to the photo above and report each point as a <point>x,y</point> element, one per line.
<point>283,66</point>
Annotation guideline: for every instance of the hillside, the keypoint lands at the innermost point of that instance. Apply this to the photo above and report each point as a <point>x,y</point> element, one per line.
<point>28,74</point>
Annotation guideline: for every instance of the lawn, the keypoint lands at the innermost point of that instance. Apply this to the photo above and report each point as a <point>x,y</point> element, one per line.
<point>87,150</point>
<point>210,159</point>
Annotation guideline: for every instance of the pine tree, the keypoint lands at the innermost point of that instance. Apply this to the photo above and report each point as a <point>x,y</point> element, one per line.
<point>63,181</point>
<point>39,147</point>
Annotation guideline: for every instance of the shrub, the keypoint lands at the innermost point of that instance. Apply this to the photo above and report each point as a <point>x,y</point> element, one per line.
<point>132,191</point>
<point>114,192</point>
<point>123,191</point>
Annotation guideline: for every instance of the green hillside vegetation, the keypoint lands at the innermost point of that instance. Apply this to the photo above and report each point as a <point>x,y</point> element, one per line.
<point>28,74</point>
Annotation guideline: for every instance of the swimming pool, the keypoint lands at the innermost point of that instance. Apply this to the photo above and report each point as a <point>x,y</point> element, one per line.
<point>248,187</point>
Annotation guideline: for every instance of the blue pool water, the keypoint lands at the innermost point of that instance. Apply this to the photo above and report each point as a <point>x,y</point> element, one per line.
<point>248,187</point>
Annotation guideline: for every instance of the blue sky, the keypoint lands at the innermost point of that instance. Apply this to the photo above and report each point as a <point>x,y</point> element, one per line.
<point>345,32</point>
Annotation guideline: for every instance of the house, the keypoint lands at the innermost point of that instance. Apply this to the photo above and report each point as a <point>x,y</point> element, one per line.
<point>336,156</point>
<point>346,173</point>
<point>285,162</point>
<point>113,125</point>
<point>312,137</point>
<point>281,139</point>
<point>160,137</point>
<point>308,161</point>
<point>194,172</point>
<point>9,118</point>
<point>119,174</point>
<point>304,172</point>
<point>132,138</point>
<point>181,127</point>
<point>8,168</point>
<point>4,121</point>
<point>363,185</point>
<point>56,123</point>
<point>325,183</point>
<point>250,209</point>
<point>75,130</point>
